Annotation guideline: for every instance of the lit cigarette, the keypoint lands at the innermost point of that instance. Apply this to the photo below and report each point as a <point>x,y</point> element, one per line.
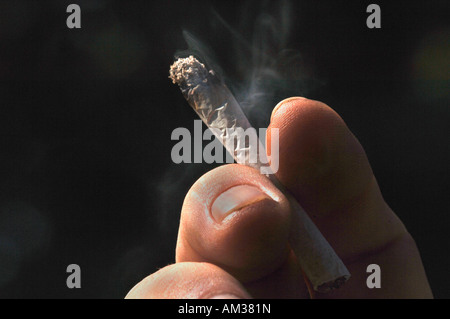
<point>219,110</point>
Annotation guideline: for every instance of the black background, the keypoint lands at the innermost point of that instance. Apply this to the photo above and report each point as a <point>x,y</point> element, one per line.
<point>86,116</point>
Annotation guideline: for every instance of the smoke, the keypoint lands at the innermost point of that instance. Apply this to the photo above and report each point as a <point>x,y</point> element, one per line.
<point>254,57</point>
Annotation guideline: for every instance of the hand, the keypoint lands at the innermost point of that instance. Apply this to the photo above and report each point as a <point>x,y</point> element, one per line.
<point>233,235</point>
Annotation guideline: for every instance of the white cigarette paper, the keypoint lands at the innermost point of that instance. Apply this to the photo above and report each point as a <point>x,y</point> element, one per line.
<point>219,110</point>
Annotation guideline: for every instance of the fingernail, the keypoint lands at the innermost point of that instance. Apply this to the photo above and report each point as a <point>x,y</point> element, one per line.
<point>277,107</point>
<point>235,199</point>
<point>225,296</point>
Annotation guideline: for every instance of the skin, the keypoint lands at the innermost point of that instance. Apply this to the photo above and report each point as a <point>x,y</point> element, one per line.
<point>247,255</point>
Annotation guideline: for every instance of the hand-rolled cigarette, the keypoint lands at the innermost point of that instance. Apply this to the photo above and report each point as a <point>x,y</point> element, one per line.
<point>219,110</point>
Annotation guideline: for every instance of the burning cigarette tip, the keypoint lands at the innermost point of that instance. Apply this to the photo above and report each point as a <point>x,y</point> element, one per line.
<point>189,72</point>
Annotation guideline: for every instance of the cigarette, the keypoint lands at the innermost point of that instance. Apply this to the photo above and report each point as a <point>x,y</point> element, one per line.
<point>220,111</point>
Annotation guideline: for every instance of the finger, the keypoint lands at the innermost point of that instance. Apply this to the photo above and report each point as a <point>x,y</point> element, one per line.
<point>235,218</point>
<point>189,281</point>
<point>325,167</point>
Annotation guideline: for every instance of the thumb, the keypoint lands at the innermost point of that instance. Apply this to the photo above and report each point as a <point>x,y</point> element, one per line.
<point>235,218</point>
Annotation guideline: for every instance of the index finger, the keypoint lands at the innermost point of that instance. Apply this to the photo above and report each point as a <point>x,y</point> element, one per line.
<point>325,167</point>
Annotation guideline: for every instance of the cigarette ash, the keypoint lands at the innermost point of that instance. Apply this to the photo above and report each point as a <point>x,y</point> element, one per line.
<point>189,73</point>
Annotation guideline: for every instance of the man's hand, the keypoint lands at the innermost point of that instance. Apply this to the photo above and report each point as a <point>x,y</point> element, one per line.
<point>233,236</point>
